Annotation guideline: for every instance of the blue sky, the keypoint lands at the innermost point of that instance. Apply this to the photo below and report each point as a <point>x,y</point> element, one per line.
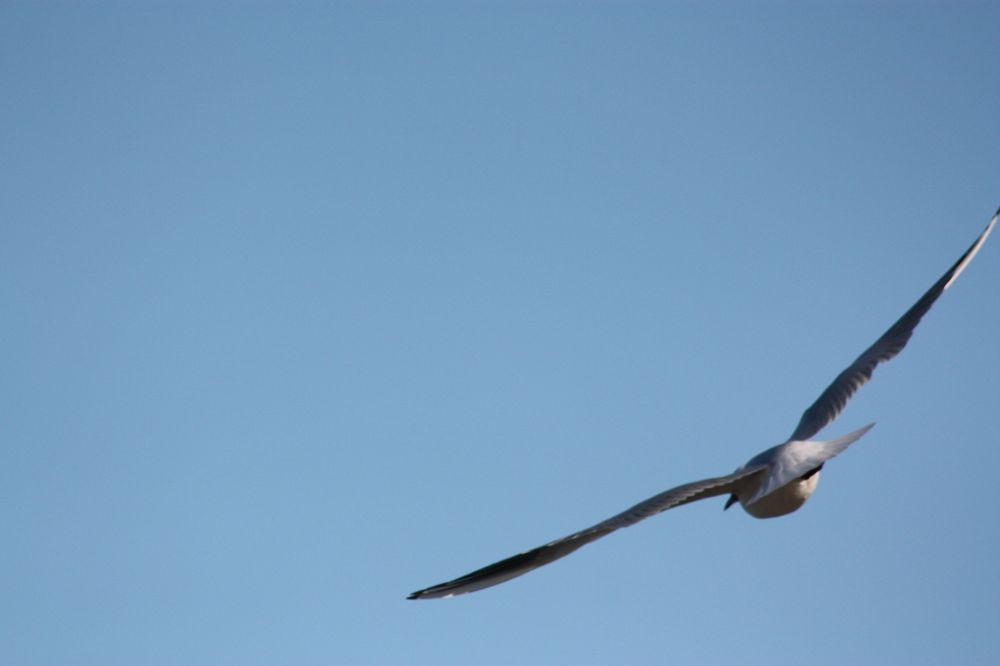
<point>309,306</point>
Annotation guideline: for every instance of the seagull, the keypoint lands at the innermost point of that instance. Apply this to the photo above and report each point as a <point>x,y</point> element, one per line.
<point>773,483</point>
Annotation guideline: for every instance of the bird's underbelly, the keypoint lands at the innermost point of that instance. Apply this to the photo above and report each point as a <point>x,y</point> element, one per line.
<point>784,500</point>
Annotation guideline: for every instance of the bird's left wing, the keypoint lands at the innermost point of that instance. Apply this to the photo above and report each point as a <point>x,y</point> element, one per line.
<point>833,400</point>
<point>522,563</point>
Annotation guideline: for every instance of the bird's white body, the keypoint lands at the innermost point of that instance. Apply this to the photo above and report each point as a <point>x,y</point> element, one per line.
<point>786,475</point>
<point>784,500</point>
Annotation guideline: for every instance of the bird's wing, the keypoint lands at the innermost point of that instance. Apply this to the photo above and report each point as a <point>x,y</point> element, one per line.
<point>796,458</point>
<point>832,401</point>
<point>522,563</point>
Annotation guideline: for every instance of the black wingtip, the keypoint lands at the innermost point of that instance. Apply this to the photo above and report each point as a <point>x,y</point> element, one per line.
<point>996,214</point>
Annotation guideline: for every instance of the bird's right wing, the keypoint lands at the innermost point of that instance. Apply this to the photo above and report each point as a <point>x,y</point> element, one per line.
<point>833,400</point>
<point>522,563</point>
<point>795,458</point>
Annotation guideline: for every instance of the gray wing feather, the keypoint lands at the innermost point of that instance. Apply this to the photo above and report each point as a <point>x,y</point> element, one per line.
<point>522,563</point>
<point>833,400</point>
<point>796,458</point>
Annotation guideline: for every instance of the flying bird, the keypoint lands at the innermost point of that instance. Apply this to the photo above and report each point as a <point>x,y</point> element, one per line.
<point>773,483</point>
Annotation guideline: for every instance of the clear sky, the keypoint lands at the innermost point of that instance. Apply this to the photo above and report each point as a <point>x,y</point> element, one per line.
<point>308,306</point>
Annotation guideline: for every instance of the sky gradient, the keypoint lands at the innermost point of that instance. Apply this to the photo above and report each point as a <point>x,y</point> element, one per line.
<point>308,306</point>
